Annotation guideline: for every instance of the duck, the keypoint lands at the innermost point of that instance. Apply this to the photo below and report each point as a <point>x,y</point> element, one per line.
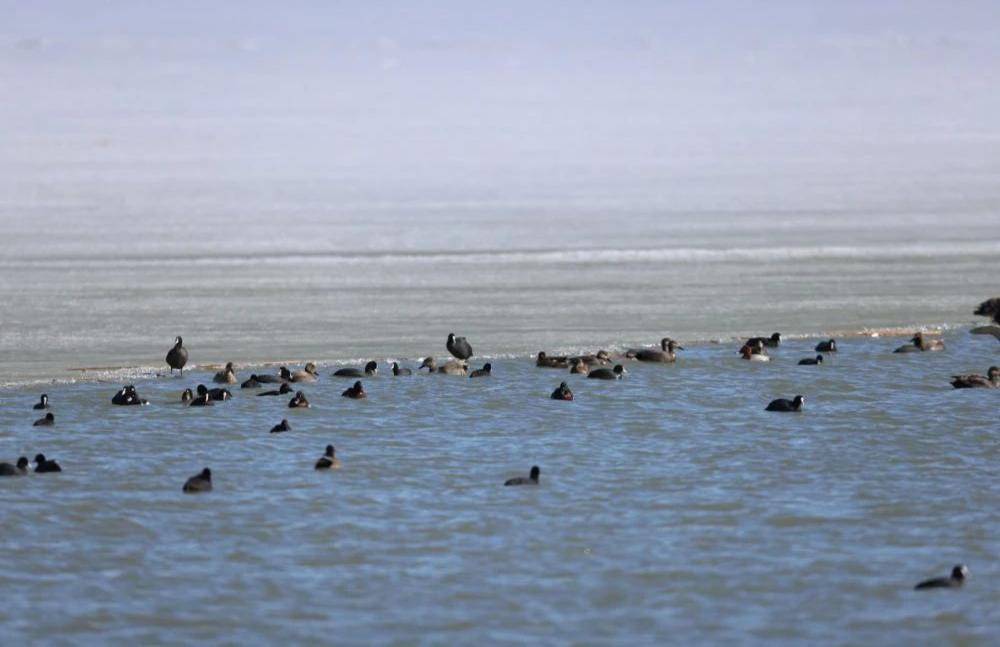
<point>186,396</point>
<point>919,344</point>
<point>989,308</point>
<point>329,460</point>
<point>203,399</point>
<point>200,482</point>
<point>459,347</point>
<point>226,376</point>
<point>828,346</point>
<point>579,367</point>
<point>298,401</point>
<point>48,421</point>
<point>771,342</point>
<point>177,356</point>
<point>972,381</point>
<point>282,376</point>
<point>616,373</point>
<point>45,466</point>
<point>666,354</point>
<point>307,374</point>
<point>810,361</point>
<point>252,383</point>
<point>485,371</point>
<point>451,367</point>
<point>371,368</point>
<point>18,469</point>
<point>562,392</point>
<point>282,390</point>
<point>128,396</point>
<point>400,371</point>
<point>355,392</point>
<point>959,573</point>
<point>545,361</point>
<point>531,479</point>
<point>600,358</point>
<point>747,352</point>
<point>782,404</point>
<point>218,395</point>
<point>43,403</point>
<point>281,427</point>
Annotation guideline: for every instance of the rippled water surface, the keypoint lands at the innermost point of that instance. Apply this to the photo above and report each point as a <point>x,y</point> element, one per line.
<point>672,507</point>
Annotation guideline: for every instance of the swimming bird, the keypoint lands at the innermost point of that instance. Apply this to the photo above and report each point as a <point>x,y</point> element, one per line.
<point>400,371</point>
<point>601,357</point>
<point>186,396</point>
<point>203,399</point>
<point>829,346</point>
<point>47,421</point>
<point>782,404</point>
<point>579,367</point>
<point>298,401</point>
<point>128,396</point>
<point>281,427</point>
<point>959,573</point>
<point>809,361</point>
<point>971,381</point>
<point>371,368</point>
<point>919,344</point>
<point>226,376</point>
<point>252,383</point>
<point>531,479</point>
<point>177,356</point>
<point>355,392</point>
<point>282,376</point>
<point>282,390</point>
<point>218,395</point>
<point>545,361</point>
<point>617,373</point>
<point>19,469</point>
<point>43,403</point>
<point>562,392</point>
<point>451,367</point>
<point>307,374</point>
<point>200,482</point>
<point>459,347</point>
<point>771,342</point>
<point>329,460</point>
<point>666,354</point>
<point>747,352</point>
<point>485,371</point>
<point>44,466</point>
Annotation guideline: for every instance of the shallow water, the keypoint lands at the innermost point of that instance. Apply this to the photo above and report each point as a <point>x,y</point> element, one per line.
<point>672,508</point>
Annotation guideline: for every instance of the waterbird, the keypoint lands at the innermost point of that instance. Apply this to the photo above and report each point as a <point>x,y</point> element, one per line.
<point>579,367</point>
<point>252,383</point>
<point>748,352</point>
<point>972,381</point>
<point>226,376</point>
<point>282,390</point>
<point>187,396</point>
<point>616,373</point>
<point>203,399</point>
<point>45,466</point>
<point>18,469</point>
<point>128,396</point>
<point>544,360</point>
<point>459,347</point>
<point>771,342</point>
<point>666,354</point>
<point>531,479</point>
<point>371,368</point>
<point>562,392</point>
<point>47,421</point>
<point>919,344</point>
<point>43,403</point>
<point>282,376</point>
<point>200,482</point>
<point>400,371</point>
<point>298,401</point>
<point>810,361</point>
<point>328,460</point>
<point>218,395</point>
<point>307,374</point>
<point>828,346</point>
<point>451,367</point>
<point>281,427</point>
<point>601,357</point>
<point>959,573</point>
<point>355,392</point>
<point>782,404</point>
<point>485,371</point>
<point>177,356</point>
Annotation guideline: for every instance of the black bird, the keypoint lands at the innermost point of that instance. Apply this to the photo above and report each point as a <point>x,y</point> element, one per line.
<point>400,371</point>
<point>371,368</point>
<point>264,378</point>
<point>298,401</point>
<point>218,395</point>
<point>252,383</point>
<point>328,460</point>
<point>562,392</point>
<point>177,356</point>
<point>43,466</point>
<point>531,479</point>
<point>959,573</point>
<point>607,373</point>
<point>458,346</point>
<point>43,403</point>
<point>485,371</point>
<point>203,399</point>
<point>20,469</point>
<point>127,396</point>
<point>200,482</point>
<point>186,396</point>
<point>281,426</point>
<point>47,421</point>
<point>782,404</point>
<point>356,392</point>
<point>809,361</point>
<point>989,308</point>
<point>771,342</point>
<point>829,346</point>
<point>282,390</point>
<point>919,344</point>
<point>971,381</point>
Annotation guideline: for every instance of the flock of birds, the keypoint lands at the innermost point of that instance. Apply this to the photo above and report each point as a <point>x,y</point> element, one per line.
<point>595,366</point>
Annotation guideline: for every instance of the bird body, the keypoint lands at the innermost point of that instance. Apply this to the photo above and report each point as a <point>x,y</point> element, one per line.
<point>281,427</point>
<point>200,482</point>
<point>531,479</point>
<point>18,469</point>
<point>298,401</point>
<point>485,371</point>
<point>226,376</point>
<point>400,371</point>
<point>973,381</point>
<point>329,460</point>
<point>782,404</point>
<point>959,573</point>
<point>617,373</point>
<point>811,361</point>
<point>45,466</point>
<point>355,392</point>
<point>177,356</point>
<point>47,421</point>
<point>459,347</point>
<point>43,403</point>
<point>562,392</point>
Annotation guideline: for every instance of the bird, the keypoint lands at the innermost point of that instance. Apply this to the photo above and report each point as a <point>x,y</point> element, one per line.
<point>18,469</point>
<point>226,376</point>
<point>355,392</point>
<point>44,466</point>
<point>810,361</point>
<point>281,426</point>
<point>919,344</point>
<point>959,573</point>
<point>200,482</point>
<point>307,374</point>
<point>989,308</point>
<point>43,403</point>
<point>282,376</point>
<point>218,395</point>
<point>485,371</point>
<point>203,399</point>
<point>459,347</point>
<point>298,401</point>
<point>754,354</point>
<point>601,357</point>
<point>328,460</point>
<point>579,367</point>
<point>282,390</point>
<point>127,396</point>
<point>252,383</point>
<point>451,367</point>
<point>177,356</point>
<point>971,381</point>
<point>400,371</point>
<point>771,342</point>
<point>782,404</point>
<point>371,368</point>
<point>531,479</point>
<point>829,346</point>
<point>666,353</point>
<point>545,361</point>
<point>617,373</point>
<point>47,421</point>
<point>562,392</point>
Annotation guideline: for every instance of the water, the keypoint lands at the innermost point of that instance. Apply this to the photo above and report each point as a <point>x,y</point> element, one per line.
<point>672,507</point>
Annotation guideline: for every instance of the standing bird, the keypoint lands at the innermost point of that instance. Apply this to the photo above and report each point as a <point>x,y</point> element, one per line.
<point>329,460</point>
<point>47,421</point>
<point>43,403</point>
<point>458,346</point>
<point>532,478</point>
<point>959,573</point>
<point>783,404</point>
<point>177,356</point>
<point>201,482</point>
